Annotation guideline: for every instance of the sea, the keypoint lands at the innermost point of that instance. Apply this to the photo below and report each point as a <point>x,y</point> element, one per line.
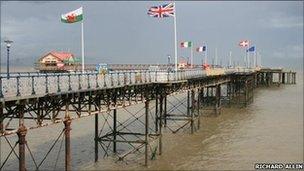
<point>269,130</point>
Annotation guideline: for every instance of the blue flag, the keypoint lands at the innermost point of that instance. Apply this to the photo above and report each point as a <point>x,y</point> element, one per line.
<point>204,48</point>
<point>252,49</point>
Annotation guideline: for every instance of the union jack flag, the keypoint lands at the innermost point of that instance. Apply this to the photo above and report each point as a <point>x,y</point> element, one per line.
<point>161,11</point>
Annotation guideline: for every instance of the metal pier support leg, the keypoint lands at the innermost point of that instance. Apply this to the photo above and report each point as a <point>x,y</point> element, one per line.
<point>165,111</point>
<point>1,120</point>
<point>146,131</point>
<point>67,129</point>
<point>160,125</point>
<point>198,109</point>
<point>96,137</point>
<point>188,103</point>
<point>246,92</point>
<point>192,111</point>
<point>280,78</point>
<point>67,124</point>
<point>114,129</point>
<point>21,136</point>
<point>218,99</point>
<point>156,114</point>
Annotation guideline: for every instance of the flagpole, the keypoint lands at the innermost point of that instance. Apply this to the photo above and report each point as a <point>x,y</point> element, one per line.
<point>248,56</point>
<point>82,46</point>
<point>215,58</point>
<point>191,55</point>
<point>230,53</point>
<point>175,38</point>
<point>256,57</point>
<point>206,54</point>
<point>245,58</point>
<point>254,61</point>
<point>260,57</point>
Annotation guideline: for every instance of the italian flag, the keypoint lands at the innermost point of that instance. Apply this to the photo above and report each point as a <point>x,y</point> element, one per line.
<point>186,44</point>
<point>73,16</point>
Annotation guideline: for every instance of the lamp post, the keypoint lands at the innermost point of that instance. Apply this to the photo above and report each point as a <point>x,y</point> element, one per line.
<point>8,45</point>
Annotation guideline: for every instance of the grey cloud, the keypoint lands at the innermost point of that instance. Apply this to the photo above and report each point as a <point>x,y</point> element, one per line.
<point>122,32</point>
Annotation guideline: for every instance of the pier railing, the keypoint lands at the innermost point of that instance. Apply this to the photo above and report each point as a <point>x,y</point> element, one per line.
<point>34,83</point>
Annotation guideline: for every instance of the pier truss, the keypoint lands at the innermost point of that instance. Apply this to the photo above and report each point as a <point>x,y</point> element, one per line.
<point>173,105</point>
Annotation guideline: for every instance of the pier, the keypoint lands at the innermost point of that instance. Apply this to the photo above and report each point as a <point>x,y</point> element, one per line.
<point>34,100</point>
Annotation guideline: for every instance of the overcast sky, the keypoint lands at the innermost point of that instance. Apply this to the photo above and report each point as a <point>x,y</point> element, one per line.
<point>122,32</point>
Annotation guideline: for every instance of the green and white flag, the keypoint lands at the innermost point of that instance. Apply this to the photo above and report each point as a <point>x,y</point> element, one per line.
<point>73,16</point>
<point>186,44</point>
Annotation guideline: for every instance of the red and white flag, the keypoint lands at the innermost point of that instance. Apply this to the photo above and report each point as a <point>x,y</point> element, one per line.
<point>200,49</point>
<point>244,43</point>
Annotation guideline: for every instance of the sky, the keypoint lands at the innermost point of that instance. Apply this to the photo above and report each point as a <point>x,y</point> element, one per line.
<point>122,32</point>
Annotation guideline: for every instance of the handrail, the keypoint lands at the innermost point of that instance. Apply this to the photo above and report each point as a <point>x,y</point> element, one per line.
<point>33,83</point>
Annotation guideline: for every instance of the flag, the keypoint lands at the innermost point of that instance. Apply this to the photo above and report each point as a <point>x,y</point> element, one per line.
<point>244,43</point>
<point>199,49</point>
<point>252,49</point>
<point>73,16</point>
<point>186,44</point>
<point>161,11</point>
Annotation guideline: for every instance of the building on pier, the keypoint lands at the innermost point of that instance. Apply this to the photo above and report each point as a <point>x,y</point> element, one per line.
<point>54,61</point>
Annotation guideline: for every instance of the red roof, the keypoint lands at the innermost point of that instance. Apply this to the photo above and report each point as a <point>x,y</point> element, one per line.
<point>62,55</point>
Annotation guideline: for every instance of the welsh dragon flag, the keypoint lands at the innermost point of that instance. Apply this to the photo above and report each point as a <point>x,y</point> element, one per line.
<point>73,16</point>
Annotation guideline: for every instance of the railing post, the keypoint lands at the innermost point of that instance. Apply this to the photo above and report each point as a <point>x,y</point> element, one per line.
<point>118,79</point>
<point>112,83</point>
<point>96,79</point>
<point>130,76</point>
<point>105,80</point>
<point>168,79</point>
<point>125,78</point>
<point>33,85</point>
<point>79,82</point>
<point>69,76</point>
<point>18,84</point>
<point>46,84</point>
<point>88,76</point>
<point>1,92</point>
<point>58,83</point>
